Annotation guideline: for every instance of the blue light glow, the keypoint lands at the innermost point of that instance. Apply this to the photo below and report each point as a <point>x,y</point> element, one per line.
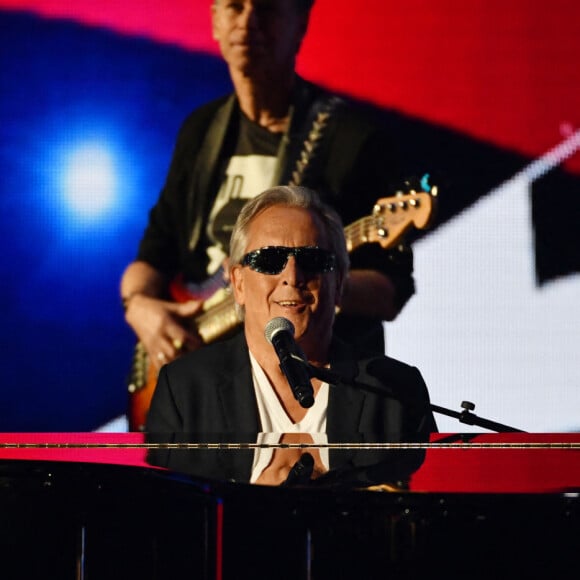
<point>90,177</point>
<point>88,120</point>
<point>90,180</point>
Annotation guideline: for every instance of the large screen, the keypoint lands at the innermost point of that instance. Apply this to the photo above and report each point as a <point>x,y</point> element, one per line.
<point>481,98</point>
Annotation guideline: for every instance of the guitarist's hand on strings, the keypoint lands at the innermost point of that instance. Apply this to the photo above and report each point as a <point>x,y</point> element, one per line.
<point>160,325</point>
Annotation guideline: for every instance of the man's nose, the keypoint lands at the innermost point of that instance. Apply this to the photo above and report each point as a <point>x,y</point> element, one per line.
<point>292,274</point>
<point>248,16</point>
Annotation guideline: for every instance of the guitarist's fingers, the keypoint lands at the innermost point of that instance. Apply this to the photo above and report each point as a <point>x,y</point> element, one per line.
<point>184,341</point>
<point>159,359</point>
<point>165,349</point>
<point>186,309</point>
<point>159,324</point>
<point>185,338</point>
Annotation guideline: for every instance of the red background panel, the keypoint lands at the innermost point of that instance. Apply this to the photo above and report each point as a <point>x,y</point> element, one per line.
<point>505,71</point>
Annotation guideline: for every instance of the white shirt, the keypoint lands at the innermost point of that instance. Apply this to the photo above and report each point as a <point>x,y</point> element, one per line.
<point>246,176</point>
<point>273,416</point>
<point>275,421</point>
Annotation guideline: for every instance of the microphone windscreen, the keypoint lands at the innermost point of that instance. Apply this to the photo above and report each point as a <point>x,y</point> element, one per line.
<point>276,325</point>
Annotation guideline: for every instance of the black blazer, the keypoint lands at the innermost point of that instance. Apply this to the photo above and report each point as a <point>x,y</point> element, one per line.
<point>208,397</point>
<point>211,391</point>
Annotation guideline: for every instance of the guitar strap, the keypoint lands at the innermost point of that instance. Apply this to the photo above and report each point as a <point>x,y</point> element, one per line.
<point>302,140</point>
<point>313,140</point>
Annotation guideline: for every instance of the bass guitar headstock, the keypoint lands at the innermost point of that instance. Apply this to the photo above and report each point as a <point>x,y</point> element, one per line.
<point>392,217</point>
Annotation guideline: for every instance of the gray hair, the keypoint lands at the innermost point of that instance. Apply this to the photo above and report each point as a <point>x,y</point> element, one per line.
<point>292,196</point>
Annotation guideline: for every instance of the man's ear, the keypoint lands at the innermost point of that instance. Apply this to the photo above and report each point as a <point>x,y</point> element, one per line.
<point>237,283</point>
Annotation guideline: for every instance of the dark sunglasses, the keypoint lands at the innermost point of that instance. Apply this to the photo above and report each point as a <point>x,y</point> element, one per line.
<point>273,259</point>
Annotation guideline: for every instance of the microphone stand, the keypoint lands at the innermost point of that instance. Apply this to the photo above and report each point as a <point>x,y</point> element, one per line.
<point>466,416</point>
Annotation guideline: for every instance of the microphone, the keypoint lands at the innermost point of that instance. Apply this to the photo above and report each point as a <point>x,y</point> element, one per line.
<point>279,333</point>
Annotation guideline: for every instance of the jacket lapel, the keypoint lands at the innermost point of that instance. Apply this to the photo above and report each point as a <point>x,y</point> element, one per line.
<point>238,401</point>
<point>345,403</point>
<point>206,165</point>
<point>236,390</point>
